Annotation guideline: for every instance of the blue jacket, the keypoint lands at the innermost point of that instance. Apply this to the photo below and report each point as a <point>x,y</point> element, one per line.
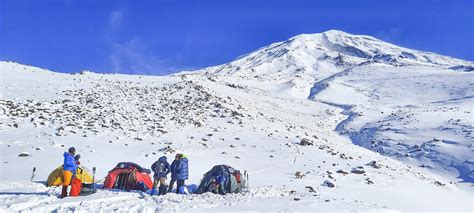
<point>166,167</point>
<point>69,163</point>
<point>173,169</point>
<point>180,169</point>
<point>221,179</point>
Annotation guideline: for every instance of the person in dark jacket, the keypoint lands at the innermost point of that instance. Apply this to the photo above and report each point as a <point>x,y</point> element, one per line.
<point>69,169</point>
<point>217,185</point>
<point>161,168</point>
<point>173,172</point>
<point>77,157</point>
<point>181,173</point>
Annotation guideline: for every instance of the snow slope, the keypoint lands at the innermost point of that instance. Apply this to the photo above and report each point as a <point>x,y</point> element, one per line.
<point>355,98</point>
<point>420,115</point>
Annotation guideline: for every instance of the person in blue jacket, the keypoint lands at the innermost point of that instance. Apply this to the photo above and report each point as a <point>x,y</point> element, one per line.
<point>173,172</point>
<point>161,168</point>
<point>218,184</point>
<point>69,169</point>
<point>179,173</point>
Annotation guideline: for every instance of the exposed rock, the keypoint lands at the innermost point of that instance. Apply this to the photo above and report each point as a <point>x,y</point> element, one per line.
<point>306,142</point>
<point>342,172</point>
<point>186,104</point>
<point>299,175</point>
<point>343,156</point>
<point>24,154</point>
<point>374,164</point>
<point>310,188</point>
<point>358,170</point>
<point>60,131</point>
<point>167,149</point>
<point>368,181</point>
<point>329,184</point>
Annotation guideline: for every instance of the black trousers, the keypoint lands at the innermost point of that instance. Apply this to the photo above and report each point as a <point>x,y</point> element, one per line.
<point>170,188</point>
<point>179,184</point>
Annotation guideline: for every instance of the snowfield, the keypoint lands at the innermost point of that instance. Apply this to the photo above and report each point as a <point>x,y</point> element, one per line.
<point>391,128</point>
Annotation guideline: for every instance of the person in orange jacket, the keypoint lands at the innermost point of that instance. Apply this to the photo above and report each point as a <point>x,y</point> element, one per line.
<point>76,183</point>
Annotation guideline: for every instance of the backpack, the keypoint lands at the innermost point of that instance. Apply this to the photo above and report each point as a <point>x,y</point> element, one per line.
<point>237,175</point>
<point>158,167</point>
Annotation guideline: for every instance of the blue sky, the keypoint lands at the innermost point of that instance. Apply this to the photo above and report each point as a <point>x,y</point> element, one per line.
<point>160,37</point>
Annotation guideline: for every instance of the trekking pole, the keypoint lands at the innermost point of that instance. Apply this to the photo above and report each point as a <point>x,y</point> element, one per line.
<point>33,174</point>
<point>247,180</point>
<point>93,178</point>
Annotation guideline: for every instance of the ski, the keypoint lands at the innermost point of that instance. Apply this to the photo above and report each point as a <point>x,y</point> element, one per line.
<point>33,174</point>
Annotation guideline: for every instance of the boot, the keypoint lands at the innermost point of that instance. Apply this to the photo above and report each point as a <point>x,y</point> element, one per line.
<point>181,190</point>
<point>153,192</point>
<point>163,189</point>
<point>64,192</point>
<point>180,187</point>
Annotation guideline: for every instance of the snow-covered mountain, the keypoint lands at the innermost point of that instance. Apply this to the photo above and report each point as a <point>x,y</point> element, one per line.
<point>363,114</point>
<point>315,54</point>
<point>389,92</point>
<point>295,65</point>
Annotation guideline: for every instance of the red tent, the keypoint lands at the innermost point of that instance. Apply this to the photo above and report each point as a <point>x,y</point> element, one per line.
<point>128,176</point>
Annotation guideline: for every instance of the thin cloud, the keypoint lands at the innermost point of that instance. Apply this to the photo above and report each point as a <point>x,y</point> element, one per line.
<point>115,19</point>
<point>116,64</point>
<point>391,35</point>
<point>132,55</point>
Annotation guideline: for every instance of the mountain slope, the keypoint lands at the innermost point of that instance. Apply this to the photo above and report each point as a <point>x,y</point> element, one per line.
<point>325,89</point>
<point>373,77</point>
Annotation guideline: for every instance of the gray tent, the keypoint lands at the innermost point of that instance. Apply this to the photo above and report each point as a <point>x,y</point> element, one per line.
<point>221,179</point>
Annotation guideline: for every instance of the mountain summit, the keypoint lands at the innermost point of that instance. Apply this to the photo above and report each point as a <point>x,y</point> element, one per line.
<point>331,50</point>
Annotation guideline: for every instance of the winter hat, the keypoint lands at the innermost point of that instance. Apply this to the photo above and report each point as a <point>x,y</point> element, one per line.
<point>71,150</point>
